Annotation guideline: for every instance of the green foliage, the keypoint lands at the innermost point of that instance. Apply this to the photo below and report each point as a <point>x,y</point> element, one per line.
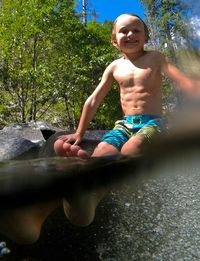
<point>27,46</point>
<point>50,62</point>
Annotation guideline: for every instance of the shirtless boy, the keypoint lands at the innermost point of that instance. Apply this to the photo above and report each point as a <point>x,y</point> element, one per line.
<point>138,73</point>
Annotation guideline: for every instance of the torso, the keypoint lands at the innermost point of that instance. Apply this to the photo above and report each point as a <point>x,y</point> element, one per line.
<point>139,83</point>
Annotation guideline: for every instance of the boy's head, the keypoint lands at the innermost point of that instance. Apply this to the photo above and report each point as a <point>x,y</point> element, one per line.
<point>119,18</point>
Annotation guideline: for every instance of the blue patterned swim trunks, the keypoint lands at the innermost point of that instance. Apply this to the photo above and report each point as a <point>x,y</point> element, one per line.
<point>146,126</point>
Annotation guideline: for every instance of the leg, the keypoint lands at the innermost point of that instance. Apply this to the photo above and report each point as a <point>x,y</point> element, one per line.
<point>138,143</point>
<point>81,209</point>
<point>104,148</point>
<point>134,146</point>
<point>23,225</point>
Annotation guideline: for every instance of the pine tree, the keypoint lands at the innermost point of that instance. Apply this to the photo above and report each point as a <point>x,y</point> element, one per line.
<point>167,22</point>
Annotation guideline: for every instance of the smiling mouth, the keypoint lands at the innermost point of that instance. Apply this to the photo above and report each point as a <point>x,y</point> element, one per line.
<point>132,41</point>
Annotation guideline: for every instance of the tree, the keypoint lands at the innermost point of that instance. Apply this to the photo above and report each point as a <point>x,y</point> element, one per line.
<point>167,22</point>
<point>50,62</point>
<point>30,33</point>
<point>92,53</point>
<point>86,11</point>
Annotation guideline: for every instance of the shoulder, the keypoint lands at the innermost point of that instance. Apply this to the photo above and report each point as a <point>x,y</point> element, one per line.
<point>156,55</point>
<point>113,65</point>
<point>158,58</point>
<point>116,62</point>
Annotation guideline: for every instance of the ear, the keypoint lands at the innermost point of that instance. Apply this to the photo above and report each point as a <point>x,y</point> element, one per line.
<point>114,43</point>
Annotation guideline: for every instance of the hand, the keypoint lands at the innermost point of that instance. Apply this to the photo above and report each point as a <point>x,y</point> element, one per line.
<point>74,138</point>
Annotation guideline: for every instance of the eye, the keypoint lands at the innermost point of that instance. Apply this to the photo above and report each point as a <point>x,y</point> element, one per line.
<point>124,31</point>
<point>135,31</point>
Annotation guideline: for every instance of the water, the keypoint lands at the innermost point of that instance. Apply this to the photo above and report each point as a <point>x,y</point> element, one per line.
<point>155,217</point>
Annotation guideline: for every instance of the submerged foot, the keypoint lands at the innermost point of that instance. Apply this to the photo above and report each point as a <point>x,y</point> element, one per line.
<point>20,227</point>
<point>23,225</point>
<point>80,210</point>
<point>62,148</point>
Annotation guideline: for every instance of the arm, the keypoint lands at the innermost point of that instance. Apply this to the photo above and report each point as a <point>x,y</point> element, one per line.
<point>91,105</point>
<point>185,82</point>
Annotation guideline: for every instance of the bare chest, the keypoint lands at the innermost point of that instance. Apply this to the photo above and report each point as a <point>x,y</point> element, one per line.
<point>129,75</point>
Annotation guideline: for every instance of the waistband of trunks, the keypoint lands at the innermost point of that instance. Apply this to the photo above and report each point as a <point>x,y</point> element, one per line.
<point>140,119</point>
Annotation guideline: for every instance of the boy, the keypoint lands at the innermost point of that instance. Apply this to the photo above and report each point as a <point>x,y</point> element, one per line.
<point>138,74</point>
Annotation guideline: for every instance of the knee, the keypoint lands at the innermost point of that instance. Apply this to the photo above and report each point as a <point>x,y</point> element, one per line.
<point>134,146</point>
<point>99,150</point>
<point>103,148</point>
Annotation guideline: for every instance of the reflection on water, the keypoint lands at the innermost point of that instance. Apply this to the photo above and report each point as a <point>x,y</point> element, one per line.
<point>155,218</point>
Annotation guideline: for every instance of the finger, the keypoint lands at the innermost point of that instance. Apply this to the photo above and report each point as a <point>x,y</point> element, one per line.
<point>77,141</point>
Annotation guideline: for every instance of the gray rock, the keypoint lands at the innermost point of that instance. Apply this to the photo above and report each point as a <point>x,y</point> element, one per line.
<point>29,140</point>
<point>13,147</point>
<point>17,140</point>
<point>23,131</point>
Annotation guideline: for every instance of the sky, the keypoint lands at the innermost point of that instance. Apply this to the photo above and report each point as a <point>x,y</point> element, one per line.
<point>110,9</point>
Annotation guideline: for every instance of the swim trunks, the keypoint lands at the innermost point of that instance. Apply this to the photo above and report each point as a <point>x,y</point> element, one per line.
<point>146,126</point>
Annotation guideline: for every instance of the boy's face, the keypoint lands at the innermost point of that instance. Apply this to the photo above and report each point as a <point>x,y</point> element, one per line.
<point>129,34</point>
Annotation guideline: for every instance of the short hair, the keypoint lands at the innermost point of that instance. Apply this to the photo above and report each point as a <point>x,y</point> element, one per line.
<point>113,33</point>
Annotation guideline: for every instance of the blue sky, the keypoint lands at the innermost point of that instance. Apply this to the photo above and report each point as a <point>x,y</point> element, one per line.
<point>110,9</point>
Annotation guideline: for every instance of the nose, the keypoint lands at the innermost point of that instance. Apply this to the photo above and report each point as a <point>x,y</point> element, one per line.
<point>130,33</point>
